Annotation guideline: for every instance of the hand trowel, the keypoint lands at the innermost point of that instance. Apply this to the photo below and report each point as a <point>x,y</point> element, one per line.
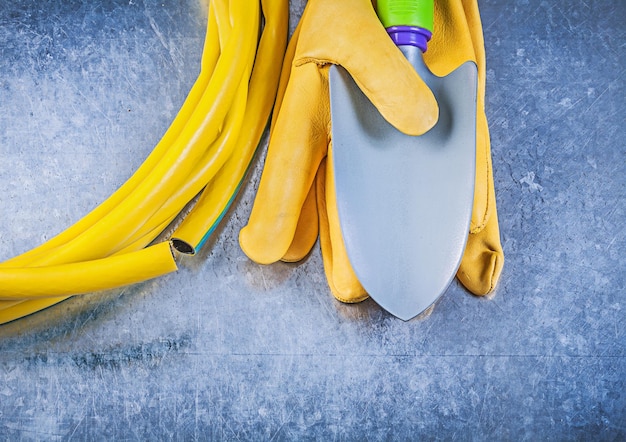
<point>405,202</point>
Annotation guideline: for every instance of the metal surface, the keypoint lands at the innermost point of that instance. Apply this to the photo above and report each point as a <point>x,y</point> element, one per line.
<point>229,350</point>
<point>405,202</point>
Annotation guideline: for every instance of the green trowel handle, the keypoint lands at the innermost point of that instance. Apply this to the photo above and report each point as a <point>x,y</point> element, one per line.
<point>414,13</point>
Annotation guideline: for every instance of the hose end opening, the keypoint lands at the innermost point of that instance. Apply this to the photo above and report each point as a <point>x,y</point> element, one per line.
<point>183,247</point>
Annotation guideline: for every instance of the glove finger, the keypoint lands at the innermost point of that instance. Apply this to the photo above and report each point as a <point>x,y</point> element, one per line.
<point>362,46</point>
<point>306,230</point>
<point>457,38</point>
<point>484,191</point>
<point>474,24</point>
<point>483,259</point>
<point>451,44</point>
<point>342,281</point>
<point>307,227</point>
<point>297,145</point>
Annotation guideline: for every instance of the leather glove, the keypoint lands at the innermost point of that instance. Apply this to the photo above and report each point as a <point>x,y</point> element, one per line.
<point>296,197</point>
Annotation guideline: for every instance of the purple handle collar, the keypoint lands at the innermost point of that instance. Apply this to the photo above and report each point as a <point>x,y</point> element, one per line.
<point>410,35</point>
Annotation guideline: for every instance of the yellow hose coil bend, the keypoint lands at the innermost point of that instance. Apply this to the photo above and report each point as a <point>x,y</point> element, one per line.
<point>220,191</point>
<point>209,146</point>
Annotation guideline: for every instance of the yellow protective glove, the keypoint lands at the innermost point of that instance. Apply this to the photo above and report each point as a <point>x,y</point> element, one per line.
<point>350,34</point>
<point>289,205</point>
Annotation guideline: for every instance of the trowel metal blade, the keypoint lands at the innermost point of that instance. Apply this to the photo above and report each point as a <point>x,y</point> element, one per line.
<point>405,202</point>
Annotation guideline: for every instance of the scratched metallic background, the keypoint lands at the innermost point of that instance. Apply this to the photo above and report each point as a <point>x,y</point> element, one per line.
<point>227,349</point>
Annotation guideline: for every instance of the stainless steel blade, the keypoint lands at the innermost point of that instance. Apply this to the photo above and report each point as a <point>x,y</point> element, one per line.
<point>405,202</point>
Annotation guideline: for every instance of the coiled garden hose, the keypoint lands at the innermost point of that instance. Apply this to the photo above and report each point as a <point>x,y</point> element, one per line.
<point>206,151</point>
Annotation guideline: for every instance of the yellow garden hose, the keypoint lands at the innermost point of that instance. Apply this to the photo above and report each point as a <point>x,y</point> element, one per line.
<point>219,193</point>
<point>69,279</point>
<point>207,148</point>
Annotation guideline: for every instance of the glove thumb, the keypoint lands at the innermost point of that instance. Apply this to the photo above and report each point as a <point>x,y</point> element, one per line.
<point>349,33</point>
